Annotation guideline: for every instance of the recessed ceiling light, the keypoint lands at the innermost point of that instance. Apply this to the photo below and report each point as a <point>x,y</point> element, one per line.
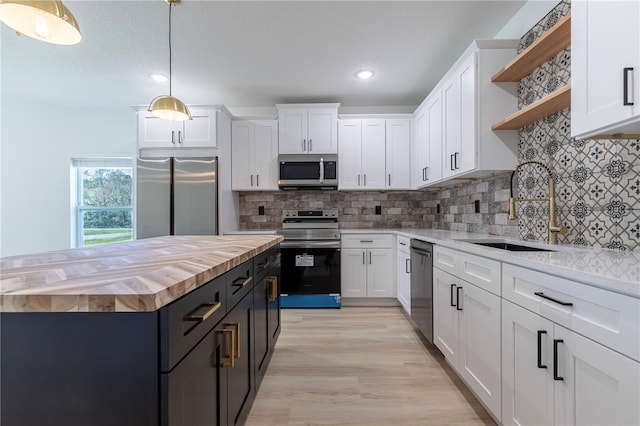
<point>365,74</point>
<point>160,78</point>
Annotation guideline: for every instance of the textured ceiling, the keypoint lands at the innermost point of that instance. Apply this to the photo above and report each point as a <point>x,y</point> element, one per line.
<point>250,53</point>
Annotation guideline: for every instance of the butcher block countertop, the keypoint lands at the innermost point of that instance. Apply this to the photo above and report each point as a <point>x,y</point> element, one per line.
<point>135,276</point>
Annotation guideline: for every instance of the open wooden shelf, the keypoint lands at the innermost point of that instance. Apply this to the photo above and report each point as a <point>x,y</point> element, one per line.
<point>553,102</point>
<point>544,48</point>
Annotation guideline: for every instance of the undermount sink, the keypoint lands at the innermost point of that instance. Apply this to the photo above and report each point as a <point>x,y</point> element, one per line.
<point>503,245</point>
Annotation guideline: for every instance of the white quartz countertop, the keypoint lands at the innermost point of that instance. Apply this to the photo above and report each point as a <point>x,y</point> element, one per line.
<point>604,268</point>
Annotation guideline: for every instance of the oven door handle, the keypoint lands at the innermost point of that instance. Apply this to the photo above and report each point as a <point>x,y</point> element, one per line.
<point>310,244</point>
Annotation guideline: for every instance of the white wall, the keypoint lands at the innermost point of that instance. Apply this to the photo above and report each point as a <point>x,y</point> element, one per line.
<point>36,146</point>
<point>529,15</point>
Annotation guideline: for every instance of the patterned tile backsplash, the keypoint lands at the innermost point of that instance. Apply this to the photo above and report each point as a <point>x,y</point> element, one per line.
<point>597,182</point>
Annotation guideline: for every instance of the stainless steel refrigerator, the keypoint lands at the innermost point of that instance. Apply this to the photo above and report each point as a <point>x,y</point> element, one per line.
<point>176,196</point>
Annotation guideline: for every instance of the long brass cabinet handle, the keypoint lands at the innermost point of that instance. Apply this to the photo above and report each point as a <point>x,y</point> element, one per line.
<point>237,346</point>
<point>198,315</point>
<point>273,288</point>
<point>231,364</point>
<point>242,281</point>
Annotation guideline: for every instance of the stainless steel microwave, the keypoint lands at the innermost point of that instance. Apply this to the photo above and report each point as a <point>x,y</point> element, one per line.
<point>308,171</point>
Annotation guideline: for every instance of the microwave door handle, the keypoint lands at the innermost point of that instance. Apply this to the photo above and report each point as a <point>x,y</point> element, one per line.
<point>321,170</point>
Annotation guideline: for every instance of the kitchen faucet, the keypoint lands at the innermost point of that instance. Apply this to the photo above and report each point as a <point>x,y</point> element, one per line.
<point>554,229</point>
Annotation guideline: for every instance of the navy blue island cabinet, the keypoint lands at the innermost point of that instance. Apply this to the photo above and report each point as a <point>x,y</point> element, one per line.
<point>197,361</point>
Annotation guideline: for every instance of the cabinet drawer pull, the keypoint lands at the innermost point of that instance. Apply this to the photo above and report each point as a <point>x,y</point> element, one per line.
<point>231,363</point>
<point>198,315</point>
<point>451,162</point>
<point>389,179</point>
<point>458,307</point>
<point>304,145</point>
<point>173,137</point>
<point>407,266</point>
<point>242,281</point>
<point>365,179</point>
<point>358,179</point>
<point>366,241</point>
<point>237,336</point>
<point>262,266</point>
<point>369,258</point>
<point>555,359</point>
<point>453,286</point>
<point>625,85</point>
<point>257,180</point>
<point>540,364</point>
<point>273,288</point>
<point>251,180</point>
<point>455,160</point>
<point>180,138</point>
<point>310,145</point>
<point>541,294</point>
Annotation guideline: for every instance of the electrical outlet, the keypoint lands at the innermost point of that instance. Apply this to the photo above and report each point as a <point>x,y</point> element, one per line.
<point>476,204</point>
<point>260,210</point>
<point>378,209</point>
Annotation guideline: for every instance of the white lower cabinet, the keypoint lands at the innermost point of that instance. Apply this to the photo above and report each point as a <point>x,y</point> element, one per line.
<point>403,272</point>
<point>552,375</point>
<point>467,331</point>
<point>367,263</point>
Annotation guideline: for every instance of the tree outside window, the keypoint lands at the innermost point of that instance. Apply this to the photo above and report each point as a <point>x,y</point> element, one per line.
<point>104,194</point>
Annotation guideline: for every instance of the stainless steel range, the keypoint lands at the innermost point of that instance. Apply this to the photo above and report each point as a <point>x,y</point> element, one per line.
<point>310,259</point>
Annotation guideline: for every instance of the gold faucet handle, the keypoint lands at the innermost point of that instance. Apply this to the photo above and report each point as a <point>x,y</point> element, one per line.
<point>559,229</point>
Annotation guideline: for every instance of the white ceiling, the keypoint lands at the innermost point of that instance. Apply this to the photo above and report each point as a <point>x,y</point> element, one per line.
<point>250,53</point>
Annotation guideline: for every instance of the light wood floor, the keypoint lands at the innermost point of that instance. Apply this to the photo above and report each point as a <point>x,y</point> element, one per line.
<point>359,366</point>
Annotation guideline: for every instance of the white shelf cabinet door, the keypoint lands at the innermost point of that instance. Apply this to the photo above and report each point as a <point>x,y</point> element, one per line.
<point>480,345</point>
<point>605,39</point>
<point>398,153</point>
<point>266,154</point>
<point>403,280</point>
<point>242,156</point>
<point>459,118</point>
<point>380,277</point>
<point>421,149</point>
<point>292,131</point>
<point>527,385</point>
<point>598,386</point>
<point>200,131</point>
<point>433,172</point>
<point>350,137</point>
<point>373,154</point>
<point>154,132</point>
<point>322,131</point>
<point>445,315</point>
<point>353,270</point>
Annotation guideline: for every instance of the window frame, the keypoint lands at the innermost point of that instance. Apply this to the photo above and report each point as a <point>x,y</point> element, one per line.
<point>77,199</point>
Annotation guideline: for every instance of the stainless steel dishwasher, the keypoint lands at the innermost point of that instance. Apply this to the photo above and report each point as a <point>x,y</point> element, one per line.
<point>422,287</point>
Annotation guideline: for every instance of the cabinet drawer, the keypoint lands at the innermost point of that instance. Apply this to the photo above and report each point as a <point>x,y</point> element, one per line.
<point>445,259</point>
<point>483,272</point>
<point>240,282</point>
<point>264,262</point>
<point>403,244</point>
<point>608,318</point>
<point>367,240</point>
<point>185,321</point>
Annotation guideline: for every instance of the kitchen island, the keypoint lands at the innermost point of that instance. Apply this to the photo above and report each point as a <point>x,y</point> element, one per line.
<point>169,330</point>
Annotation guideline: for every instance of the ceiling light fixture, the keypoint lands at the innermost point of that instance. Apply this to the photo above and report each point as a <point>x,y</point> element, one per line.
<point>168,107</point>
<point>365,74</point>
<point>46,20</point>
<point>160,78</point>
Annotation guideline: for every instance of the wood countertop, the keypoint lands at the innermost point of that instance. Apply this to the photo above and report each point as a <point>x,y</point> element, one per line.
<point>136,276</point>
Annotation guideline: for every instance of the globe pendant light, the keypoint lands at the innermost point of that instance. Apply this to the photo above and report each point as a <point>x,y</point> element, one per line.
<point>169,107</point>
<point>46,20</point>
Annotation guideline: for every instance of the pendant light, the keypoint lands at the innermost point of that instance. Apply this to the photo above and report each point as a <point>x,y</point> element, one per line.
<point>46,20</point>
<point>169,107</point>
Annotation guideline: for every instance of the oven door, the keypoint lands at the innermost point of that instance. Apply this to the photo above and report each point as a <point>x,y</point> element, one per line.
<point>310,268</point>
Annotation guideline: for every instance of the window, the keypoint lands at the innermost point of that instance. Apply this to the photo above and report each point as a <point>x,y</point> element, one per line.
<point>103,196</point>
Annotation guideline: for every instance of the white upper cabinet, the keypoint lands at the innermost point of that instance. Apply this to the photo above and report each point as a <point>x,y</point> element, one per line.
<point>254,155</point>
<point>200,132</point>
<point>453,124</point>
<point>605,68</point>
<point>361,154</point>
<point>308,128</point>
<point>398,154</point>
